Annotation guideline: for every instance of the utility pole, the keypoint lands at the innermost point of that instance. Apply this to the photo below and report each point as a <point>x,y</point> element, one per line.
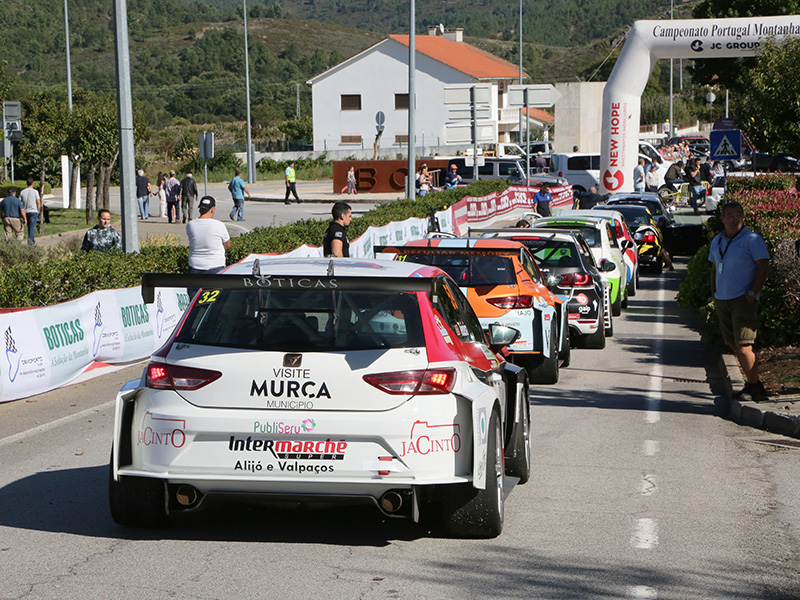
<point>411,185</point>
<point>127,165</point>
<point>251,159</point>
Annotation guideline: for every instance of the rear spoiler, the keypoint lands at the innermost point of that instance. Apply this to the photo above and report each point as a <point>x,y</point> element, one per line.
<point>441,250</point>
<point>151,281</point>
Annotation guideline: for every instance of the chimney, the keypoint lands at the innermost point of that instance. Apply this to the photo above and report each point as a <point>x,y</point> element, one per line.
<point>455,35</point>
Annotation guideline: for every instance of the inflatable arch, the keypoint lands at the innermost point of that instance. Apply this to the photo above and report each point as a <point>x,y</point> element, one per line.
<point>647,42</point>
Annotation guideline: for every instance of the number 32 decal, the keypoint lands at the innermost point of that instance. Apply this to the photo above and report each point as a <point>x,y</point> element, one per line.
<point>209,296</point>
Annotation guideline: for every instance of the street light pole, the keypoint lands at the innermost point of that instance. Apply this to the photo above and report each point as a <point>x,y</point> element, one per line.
<point>251,163</point>
<point>412,69</point>
<point>671,73</point>
<point>68,178</point>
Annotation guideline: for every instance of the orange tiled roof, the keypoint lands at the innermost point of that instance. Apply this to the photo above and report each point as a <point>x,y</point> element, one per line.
<point>541,115</point>
<point>462,57</point>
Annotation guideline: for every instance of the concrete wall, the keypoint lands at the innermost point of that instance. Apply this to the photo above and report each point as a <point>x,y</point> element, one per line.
<point>578,116</point>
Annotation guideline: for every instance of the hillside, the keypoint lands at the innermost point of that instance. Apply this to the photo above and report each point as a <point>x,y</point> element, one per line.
<point>187,57</point>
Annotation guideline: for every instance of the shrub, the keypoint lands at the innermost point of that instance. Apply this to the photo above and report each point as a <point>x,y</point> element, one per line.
<point>761,182</point>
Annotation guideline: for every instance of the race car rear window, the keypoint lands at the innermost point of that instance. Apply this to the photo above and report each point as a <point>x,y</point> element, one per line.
<point>469,270</point>
<point>307,320</point>
<point>551,253</point>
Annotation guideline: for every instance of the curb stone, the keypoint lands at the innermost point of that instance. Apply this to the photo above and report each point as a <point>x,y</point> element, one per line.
<point>748,413</point>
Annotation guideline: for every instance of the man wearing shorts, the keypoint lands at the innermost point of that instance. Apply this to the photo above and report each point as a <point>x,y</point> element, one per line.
<point>740,265</point>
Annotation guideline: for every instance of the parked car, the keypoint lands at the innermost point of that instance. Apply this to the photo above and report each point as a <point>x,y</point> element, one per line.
<point>582,170</point>
<point>602,240</point>
<point>568,265</point>
<point>699,142</point>
<point>780,161</point>
<point>324,380</point>
<point>503,285</point>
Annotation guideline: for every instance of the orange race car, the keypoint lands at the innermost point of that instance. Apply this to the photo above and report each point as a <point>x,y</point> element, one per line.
<point>503,285</point>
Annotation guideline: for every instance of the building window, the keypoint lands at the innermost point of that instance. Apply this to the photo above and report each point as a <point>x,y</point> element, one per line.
<point>401,101</point>
<point>401,139</point>
<point>351,139</point>
<point>351,101</point>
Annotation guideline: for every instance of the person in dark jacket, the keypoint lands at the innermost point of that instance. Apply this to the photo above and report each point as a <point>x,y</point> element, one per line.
<point>188,195</point>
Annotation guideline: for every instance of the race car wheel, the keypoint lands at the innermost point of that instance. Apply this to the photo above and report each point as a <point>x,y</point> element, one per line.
<point>610,329</point>
<point>659,266</point>
<point>471,513</point>
<point>632,285</point>
<point>543,369</point>
<point>566,352</point>
<point>596,340</point>
<point>616,306</point>
<point>137,501</point>
<point>518,458</point>
<point>624,303</point>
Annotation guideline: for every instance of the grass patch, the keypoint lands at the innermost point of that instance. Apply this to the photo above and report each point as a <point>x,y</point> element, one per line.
<point>66,219</point>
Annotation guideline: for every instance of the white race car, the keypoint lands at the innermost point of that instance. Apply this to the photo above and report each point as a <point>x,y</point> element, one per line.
<point>324,378</point>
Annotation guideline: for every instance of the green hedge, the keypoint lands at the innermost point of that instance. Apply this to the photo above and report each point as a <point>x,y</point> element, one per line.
<point>774,213</point>
<point>7,186</point>
<point>38,278</point>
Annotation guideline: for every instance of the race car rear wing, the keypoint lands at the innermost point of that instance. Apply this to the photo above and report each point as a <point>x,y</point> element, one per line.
<point>442,250</point>
<point>151,281</point>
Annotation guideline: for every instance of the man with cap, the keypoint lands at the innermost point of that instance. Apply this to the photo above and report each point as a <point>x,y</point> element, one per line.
<point>452,178</point>
<point>208,239</point>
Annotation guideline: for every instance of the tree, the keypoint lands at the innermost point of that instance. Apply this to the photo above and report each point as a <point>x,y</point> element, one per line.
<point>770,108</point>
<point>728,71</point>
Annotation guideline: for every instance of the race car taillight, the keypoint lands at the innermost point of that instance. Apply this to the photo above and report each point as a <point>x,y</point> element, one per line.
<point>576,280</point>
<point>509,302</point>
<point>619,230</point>
<point>648,237</point>
<point>161,376</point>
<point>427,381</point>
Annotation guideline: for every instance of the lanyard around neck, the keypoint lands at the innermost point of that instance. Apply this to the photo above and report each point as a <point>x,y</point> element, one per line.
<point>722,252</point>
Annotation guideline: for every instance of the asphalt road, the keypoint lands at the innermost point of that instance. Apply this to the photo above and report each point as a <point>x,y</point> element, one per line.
<point>639,490</point>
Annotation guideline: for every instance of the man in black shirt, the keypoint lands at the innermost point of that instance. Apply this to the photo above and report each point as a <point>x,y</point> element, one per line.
<point>587,200</point>
<point>335,242</point>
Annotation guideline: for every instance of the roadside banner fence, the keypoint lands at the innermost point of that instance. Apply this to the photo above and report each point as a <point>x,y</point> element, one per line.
<point>51,346</point>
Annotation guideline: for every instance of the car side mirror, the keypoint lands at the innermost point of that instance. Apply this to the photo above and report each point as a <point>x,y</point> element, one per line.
<point>501,335</point>
<point>627,244</point>
<point>606,265</point>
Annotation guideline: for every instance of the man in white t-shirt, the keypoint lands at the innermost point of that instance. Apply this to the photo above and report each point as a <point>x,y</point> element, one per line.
<point>32,203</point>
<point>208,239</point>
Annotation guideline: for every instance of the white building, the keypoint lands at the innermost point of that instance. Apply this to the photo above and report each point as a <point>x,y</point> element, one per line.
<point>347,97</point>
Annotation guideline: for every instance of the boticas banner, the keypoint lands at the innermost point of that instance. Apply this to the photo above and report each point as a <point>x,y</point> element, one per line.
<point>48,347</point>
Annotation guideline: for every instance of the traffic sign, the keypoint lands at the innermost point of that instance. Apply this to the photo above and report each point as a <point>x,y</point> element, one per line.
<point>539,96</point>
<point>461,132</point>
<point>459,93</point>
<point>726,144</point>
<point>459,113</point>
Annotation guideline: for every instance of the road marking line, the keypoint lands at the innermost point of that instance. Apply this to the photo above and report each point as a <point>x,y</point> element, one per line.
<point>642,591</point>
<point>653,413</point>
<point>646,535</point>
<point>648,485</point>
<point>22,435</point>
<point>651,447</point>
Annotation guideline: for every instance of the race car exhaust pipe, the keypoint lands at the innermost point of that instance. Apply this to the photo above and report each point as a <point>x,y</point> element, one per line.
<point>186,495</point>
<point>391,502</point>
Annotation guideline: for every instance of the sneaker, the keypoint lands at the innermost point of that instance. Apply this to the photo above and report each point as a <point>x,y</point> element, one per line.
<point>746,393</point>
<point>231,216</point>
<point>759,392</point>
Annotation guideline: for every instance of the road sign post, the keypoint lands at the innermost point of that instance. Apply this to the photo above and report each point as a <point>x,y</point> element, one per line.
<point>726,144</point>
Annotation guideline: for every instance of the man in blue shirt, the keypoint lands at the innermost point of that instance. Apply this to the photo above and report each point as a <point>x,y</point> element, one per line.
<point>740,265</point>
<point>238,189</point>
<point>13,215</point>
<point>638,177</point>
<point>542,200</point>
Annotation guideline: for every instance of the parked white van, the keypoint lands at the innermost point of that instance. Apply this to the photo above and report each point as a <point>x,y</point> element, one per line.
<point>582,169</point>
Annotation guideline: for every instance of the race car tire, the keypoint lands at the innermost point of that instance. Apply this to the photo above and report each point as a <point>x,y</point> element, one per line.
<point>566,353</point>
<point>632,285</point>
<point>137,501</point>
<point>609,331</point>
<point>596,340</point>
<point>543,369</point>
<point>624,303</point>
<point>518,457</point>
<point>471,513</point>
<point>616,306</point>
<point>659,267</point>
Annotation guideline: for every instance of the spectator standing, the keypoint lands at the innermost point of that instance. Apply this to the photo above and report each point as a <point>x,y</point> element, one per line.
<point>674,176</point>
<point>351,181</point>
<point>540,163</point>
<point>452,178</point>
<point>238,189</point>
<point>291,182</point>
<point>13,215</point>
<point>172,187</point>
<point>208,239</point>
<point>143,193</point>
<point>638,177</point>
<point>740,265</point>
<point>32,205</point>
<point>542,200</point>
<point>651,178</point>
<point>335,242</point>
<point>161,192</point>
<point>587,200</point>
<point>188,196</point>
<point>696,189</point>
<point>423,181</point>
<point>102,236</point>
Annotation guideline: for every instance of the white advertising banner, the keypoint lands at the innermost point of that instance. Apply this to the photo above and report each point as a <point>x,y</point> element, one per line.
<point>48,347</point>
